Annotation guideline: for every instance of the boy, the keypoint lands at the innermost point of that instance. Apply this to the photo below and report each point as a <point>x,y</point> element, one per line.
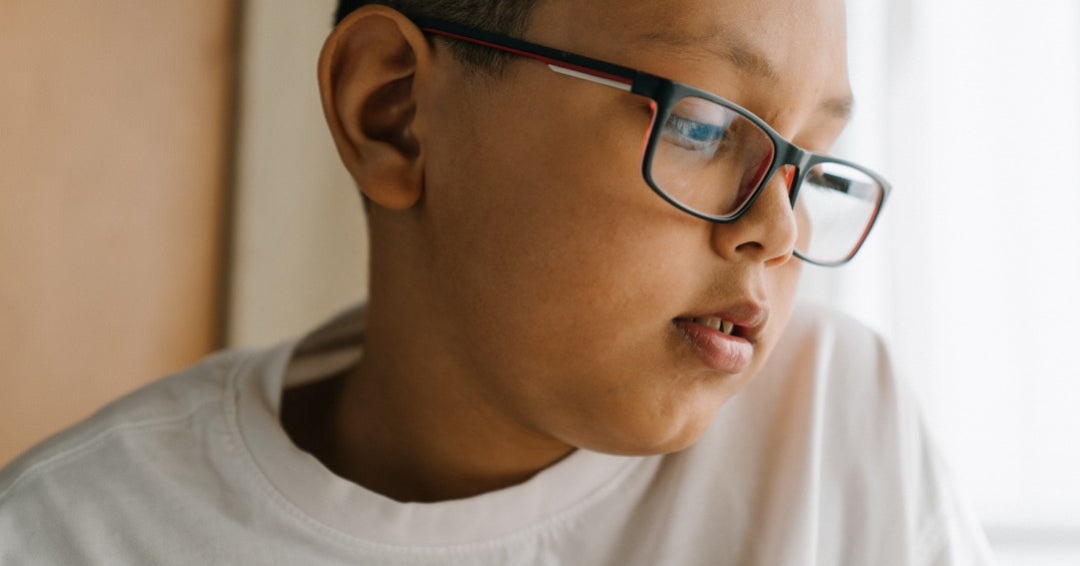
<point>576,266</point>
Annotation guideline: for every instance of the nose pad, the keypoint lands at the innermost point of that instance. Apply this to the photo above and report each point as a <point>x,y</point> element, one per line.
<point>768,231</point>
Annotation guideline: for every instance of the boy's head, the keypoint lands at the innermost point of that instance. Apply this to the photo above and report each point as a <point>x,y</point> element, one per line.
<point>521,261</point>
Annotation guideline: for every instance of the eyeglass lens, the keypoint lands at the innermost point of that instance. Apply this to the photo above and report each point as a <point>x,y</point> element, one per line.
<point>711,159</point>
<point>840,203</point>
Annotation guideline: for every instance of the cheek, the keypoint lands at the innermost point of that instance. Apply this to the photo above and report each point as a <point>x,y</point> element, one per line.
<point>783,285</point>
<point>547,235</point>
<point>545,207</point>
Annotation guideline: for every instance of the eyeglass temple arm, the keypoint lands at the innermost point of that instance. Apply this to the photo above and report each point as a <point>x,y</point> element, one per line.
<point>563,62</point>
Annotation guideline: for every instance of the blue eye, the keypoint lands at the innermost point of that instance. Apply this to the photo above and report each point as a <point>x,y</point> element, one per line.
<point>694,135</point>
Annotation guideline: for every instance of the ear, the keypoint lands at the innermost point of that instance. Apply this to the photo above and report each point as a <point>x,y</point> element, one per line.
<point>367,74</point>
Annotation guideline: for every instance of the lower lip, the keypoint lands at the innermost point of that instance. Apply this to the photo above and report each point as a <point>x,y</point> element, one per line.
<point>721,352</point>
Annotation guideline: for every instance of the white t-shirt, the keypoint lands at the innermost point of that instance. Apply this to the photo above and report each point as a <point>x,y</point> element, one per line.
<point>823,459</point>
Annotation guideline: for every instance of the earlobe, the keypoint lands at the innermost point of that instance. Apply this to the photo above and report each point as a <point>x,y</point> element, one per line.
<point>367,74</point>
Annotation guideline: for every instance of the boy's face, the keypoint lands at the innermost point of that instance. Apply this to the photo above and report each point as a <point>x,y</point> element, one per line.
<point>557,279</point>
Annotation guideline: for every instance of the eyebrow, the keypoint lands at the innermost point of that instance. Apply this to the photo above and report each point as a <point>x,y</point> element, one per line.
<point>731,46</point>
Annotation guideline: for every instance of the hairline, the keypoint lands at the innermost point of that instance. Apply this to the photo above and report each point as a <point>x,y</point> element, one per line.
<point>497,16</point>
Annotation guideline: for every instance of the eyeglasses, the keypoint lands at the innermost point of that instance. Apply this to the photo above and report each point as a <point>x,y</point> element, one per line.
<point>711,158</point>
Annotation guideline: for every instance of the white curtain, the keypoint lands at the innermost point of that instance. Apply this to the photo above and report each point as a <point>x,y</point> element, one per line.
<point>972,109</point>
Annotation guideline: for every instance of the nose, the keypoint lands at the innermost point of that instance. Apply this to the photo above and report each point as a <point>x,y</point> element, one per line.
<point>765,233</point>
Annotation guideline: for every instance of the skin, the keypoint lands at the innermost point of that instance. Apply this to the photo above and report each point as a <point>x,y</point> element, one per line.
<point>525,280</point>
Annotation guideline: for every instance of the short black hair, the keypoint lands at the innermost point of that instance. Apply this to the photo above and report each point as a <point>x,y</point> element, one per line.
<point>507,17</point>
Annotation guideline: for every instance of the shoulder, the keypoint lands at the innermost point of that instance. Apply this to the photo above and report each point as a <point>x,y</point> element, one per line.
<point>824,334</point>
<point>160,404</point>
<point>119,464</point>
<point>835,362</point>
<point>834,379</point>
<point>831,426</point>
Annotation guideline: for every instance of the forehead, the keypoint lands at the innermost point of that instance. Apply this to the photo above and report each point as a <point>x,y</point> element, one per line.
<point>793,48</point>
<point>761,22</point>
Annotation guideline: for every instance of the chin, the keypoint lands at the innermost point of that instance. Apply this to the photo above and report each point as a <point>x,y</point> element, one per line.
<point>651,420</point>
<point>648,439</point>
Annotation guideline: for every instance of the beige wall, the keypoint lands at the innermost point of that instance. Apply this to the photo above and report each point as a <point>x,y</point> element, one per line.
<point>114,121</point>
<point>300,251</point>
<point>134,237</point>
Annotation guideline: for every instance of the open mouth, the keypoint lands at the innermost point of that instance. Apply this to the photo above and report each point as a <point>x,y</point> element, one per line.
<point>715,323</point>
<point>738,322</point>
<point>718,342</point>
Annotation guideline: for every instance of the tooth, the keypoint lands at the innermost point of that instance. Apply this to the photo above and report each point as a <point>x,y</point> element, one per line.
<point>711,322</point>
<point>726,327</point>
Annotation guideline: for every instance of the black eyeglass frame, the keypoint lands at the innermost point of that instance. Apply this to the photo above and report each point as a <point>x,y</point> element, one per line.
<point>664,94</point>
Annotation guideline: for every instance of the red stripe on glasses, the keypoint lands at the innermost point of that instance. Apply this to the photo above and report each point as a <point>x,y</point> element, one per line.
<point>548,60</point>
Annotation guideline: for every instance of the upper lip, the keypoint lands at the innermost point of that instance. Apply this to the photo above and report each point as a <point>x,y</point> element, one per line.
<point>749,318</point>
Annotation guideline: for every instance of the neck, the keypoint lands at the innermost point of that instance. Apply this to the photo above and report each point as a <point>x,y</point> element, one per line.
<point>412,424</point>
